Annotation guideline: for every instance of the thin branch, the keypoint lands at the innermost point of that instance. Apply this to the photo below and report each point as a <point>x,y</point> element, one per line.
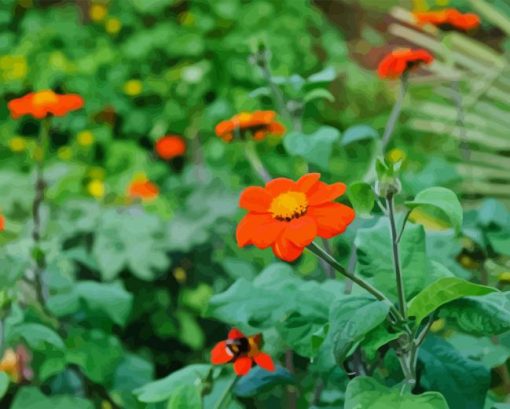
<point>404,222</point>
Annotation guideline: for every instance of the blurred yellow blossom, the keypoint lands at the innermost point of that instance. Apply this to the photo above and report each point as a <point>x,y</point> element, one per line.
<point>98,12</point>
<point>186,18</point>
<point>438,325</point>
<point>112,25</point>
<point>504,276</point>
<point>96,188</point>
<point>180,274</point>
<point>85,138</point>
<point>467,262</point>
<point>13,67</point>
<point>17,144</point>
<point>65,153</point>
<point>396,155</point>
<point>133,87</point>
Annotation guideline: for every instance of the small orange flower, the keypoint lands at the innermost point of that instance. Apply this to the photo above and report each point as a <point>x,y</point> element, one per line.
<point>42,103</point>
<point>243,351</point>
<point>170,146</point>
<point>257,124</point>
<point>401,61</point>
<point>448,19</point>
<point>15,363</point>
<point>2,222</point>
<point>143,189</point>
<point>288,215</point>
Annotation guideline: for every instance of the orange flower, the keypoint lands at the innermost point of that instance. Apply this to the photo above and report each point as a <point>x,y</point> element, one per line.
<point>40,104</point>
<point>143,189</point>
<point>170,146</point>
<point>448,19</point>
<point>243,351</point>
<point>2,222</point>
<point>401,61</point>
<point>15,363</point>
<point>288,215</point>
<point>257,124</point>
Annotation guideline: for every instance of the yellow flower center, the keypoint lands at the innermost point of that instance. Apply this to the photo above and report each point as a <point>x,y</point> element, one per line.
<point>288,206</point>
<point>45,97</point>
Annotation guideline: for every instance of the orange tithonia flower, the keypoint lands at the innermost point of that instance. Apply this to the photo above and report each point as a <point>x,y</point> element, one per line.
<point>448,19</point>
<point>288,215</point>
<point>2,222</point>
<point>15,363</point>
<point>243,351</point>
<point>256,124</point>
<point>143,189</point>
<point>42,103</point>
<point>170,146</point>
<point>401,61</point>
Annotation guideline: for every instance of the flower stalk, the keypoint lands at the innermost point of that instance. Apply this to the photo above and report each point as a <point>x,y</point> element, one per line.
<point>254,160</point>
<point>395,112</point>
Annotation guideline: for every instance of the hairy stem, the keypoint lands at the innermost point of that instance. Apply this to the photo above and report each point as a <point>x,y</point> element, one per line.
<point>253,158</point>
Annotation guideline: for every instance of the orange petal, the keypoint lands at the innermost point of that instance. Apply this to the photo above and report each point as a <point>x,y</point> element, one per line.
<point>242,365</point>
<point>264,361</point>
<point>324,193</point>
<point>234,333</point>
<point>301,231</point>
<point>331,219</point>
<point>280,185</point>
<point>220,354</point>
<point>258,229</point>
<point>255,199</point>
<point>307,182</point>
<point>286,250</point>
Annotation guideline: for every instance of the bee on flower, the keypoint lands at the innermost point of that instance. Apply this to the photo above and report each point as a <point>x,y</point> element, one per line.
<point>243,351</point>
<point>399,62</point>
<point>256,125</point>
<point>287,215</point>
<point>448,19</point>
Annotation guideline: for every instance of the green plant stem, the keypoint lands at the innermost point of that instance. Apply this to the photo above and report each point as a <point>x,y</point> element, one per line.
<point>406,218</point>
<point>395,112</point>
<point>223,398</point>
<point>396,257</point>
<point>254,160</point>
<point>320,252</point>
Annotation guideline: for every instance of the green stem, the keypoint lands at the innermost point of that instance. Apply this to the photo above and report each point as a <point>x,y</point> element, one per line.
<point>320,252</point>
<point>395,112</point>
<point>223,398</point>
<point>253,158</point>
<point>396,257</point>
<point>406,218</point>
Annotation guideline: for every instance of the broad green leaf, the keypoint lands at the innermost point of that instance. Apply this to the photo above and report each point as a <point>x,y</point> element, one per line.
<point>481,349</point>
<point>110,298</point>
<point>315,148</point>
<point>375,261</point>
<point>351,318</point>
<point>358,133</point>
<point>259,380</point>
<point>318,93</point>
<point>4,384</point>
<point>367,393</point>
<point>441,292</point>
<point>500,241</point>
<point>444,200</point>
<point>163,389</point>
<point>185,397</point>
<point>132,372</point>
<point>463,382</point>
<point>29,397</point>
<point>37,336</point>
<point>362,197</point>
<point>485,315</point>
<point>376,339</point>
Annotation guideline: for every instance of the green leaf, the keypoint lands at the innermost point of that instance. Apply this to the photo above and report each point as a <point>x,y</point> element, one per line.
<point>132,372</point>
<point>500,242</point>
<point>485,315</point>
<point>318,93</point>
<point>109,298</point>
<point>4,384</point>
<point>351,318</point>
<point>315,148</point>
<point>366,393</point>
<point>37,336</point>
<point>361,197</point>
<point>462,381</point>
<point>259,380</point>
<point>30,397</point>
<point>444,200</point>
<point>375,261</point>
<point>163,389</point>
<point>441,292</point>
<point>358,133</point>
<point>376,339</point>
<point>185,397</point>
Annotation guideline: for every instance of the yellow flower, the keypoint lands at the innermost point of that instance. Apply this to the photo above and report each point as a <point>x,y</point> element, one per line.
<point>98,12</point>
<point>13,67</point>
<point>96,188</point>
<point>467,262</point>
<point>133,87</point>
<point>65,153</point>
<point>180,274</point>
<point>504,276</point>
<point>438,325</point>
<point>85,138</point>
<point>396,155</point>
<point>112,25</point>
<point>17,144</point>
